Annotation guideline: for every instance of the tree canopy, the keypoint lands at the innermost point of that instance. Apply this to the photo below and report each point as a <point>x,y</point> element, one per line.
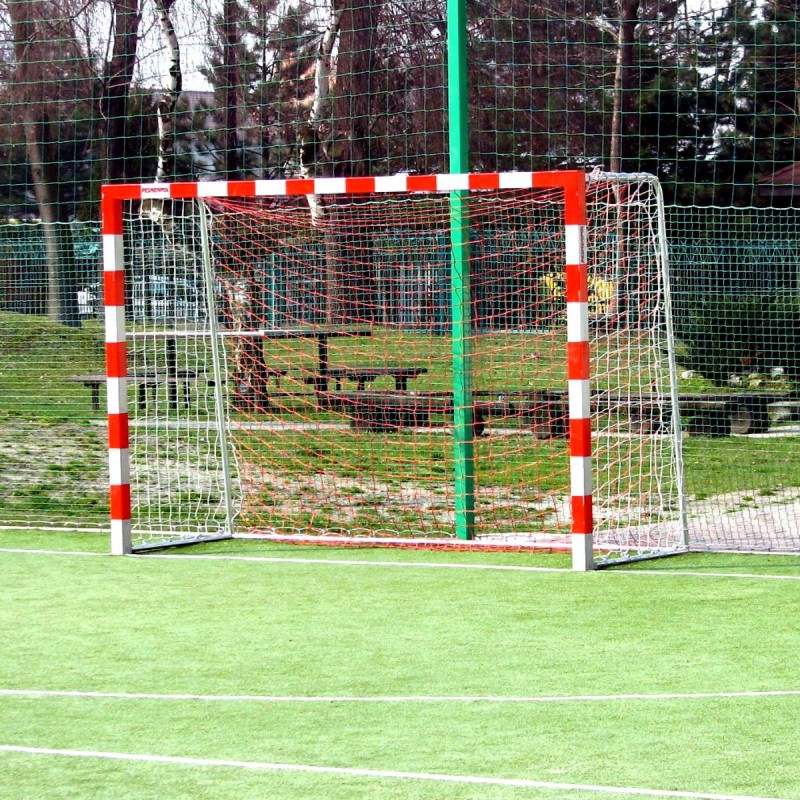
<point>705,97</point>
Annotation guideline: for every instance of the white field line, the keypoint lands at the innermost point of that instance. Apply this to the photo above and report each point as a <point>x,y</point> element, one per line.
<point>56,528</point>
<point>50,552</point>
<point>264,698</point>
<point>414,564</point>
<point>521,783</point>
<point>364,563</point>
<point>496,567</point>
<point>292,560</point>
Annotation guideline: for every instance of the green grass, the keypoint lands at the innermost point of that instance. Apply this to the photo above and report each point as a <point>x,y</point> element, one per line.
<point>280,627</point>
<point>53,469</point>
<point>36,355</point>
<point>53,459</point>
<point>717,466</point>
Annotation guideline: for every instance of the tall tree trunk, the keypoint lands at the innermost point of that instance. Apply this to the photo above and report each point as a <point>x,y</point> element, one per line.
<point>30,53</point>
<point>350,151</point>
<point>310,148</point>
<point>159,210</point>
<point>311,166</point>
<point>116,87</point>
<point>322,68</point>
<point>62,283</point>
<point>624,82</point>
<point>231,67</point>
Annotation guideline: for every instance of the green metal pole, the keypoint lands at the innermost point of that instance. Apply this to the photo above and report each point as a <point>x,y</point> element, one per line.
<point>460,271</point>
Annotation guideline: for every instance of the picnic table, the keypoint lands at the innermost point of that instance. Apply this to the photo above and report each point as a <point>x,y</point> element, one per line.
<point>322,337</point>
<point>179,380</point>
<point>361,376</point>
<point>254,374</point>
<point>176,380</point>
<point>252,380</point>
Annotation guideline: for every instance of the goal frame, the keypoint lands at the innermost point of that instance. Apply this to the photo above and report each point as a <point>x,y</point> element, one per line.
<point>573,183</point>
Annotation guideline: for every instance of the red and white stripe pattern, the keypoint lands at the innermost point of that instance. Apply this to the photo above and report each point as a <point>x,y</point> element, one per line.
<point>578,376</point>
<point>372,185</point>
<point>116,377</point>
<point>573,184</point>
<point>578,366</point>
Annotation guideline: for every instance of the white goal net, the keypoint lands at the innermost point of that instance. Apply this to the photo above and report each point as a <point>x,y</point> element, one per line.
<point>401,369</point>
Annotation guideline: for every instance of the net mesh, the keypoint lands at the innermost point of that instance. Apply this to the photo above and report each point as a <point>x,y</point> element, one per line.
<point>338,369</point>
<point>638,465</point>
<point>701,94</point>
<point>737,324</point>
<point>367,450</point>
<point>181,482</point>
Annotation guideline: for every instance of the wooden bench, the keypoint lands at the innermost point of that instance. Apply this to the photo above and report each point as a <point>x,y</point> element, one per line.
<point>144,381</point>
<point>648,413</point>
<point>703,414</point>
<point>546,412</point>
<point>392,411</point>
<point>361,376</point>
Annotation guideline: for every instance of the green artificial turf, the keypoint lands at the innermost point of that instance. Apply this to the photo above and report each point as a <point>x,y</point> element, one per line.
<point>294,628</point>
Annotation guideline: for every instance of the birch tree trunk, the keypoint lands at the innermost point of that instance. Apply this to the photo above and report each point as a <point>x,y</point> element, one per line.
<point>319,216</point>
<point>322,83</point>
<point>621,308</point>
<point>165,108</point>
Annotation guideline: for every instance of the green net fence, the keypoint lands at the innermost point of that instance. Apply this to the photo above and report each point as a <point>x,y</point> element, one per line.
<point>703,95</point>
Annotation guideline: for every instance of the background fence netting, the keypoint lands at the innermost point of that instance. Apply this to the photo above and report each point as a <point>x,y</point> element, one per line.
<point>703,96</point>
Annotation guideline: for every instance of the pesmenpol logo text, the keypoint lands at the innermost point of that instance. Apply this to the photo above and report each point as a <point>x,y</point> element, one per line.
<point>155,191</point>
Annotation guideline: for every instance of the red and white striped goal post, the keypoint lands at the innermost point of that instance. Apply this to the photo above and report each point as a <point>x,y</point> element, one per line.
<point>571,182</point>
